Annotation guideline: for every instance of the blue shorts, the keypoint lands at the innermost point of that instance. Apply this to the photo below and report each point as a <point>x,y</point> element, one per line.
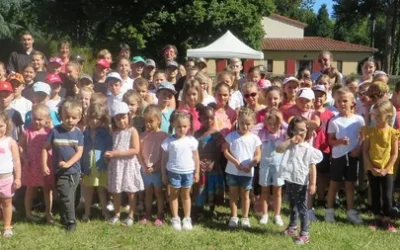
<point>153,179</point>
<point>245,182</point>
<point>176,180</point>
<point>269,176</point>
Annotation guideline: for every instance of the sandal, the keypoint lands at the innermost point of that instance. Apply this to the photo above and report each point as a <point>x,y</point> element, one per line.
<point>158,222</point>
<point>114,220</point>
<point>143,220</point>
<point>33,218</point>
<point>128,222</point>
<point>8,232</point>
<point>49,219</point>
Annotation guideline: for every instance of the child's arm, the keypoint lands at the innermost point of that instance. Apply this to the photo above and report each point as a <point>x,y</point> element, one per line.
<point>164,160</point>
<point>367,161</point>
<point>313,179</point>
<point>282,147</point>
<point>45,168</point>
<point>337,142</point>
<point>393,157</point>
<point>22,148</point>
<point>172,104</point>
<point>230,157</point>
<point>149,99</point>
<point>17,164</point>
<point>314,123</point>
<point>196,166</point>
<point>256,159</point>
<point>75,158</point>
<point>132,151</point>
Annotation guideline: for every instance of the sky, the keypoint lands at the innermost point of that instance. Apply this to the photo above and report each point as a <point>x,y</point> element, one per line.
<point>318,4</point>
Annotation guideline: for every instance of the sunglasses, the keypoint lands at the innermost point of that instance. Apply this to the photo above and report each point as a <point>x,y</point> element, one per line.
<point>254,94</point>
<point>322,60</point>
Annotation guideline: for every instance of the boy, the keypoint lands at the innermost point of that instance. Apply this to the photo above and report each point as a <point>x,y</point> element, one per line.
<point>55,99</point>
<point>3,72</point>
<point>85,80</point>
<point>165,94</point>
<point>114,85</point>
<point>236,66</point>
<point>71,76</point>
<point>172,71</point>
<point>19,103</point>
<point>344,139</point>
<point>137,66</point>
<point>41,93</point>
<point>66,142</point>
<point>6,96</point>
<point>100,75</point>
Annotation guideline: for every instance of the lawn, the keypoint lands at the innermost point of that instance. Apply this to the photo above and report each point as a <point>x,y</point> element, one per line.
<point>213,234</point>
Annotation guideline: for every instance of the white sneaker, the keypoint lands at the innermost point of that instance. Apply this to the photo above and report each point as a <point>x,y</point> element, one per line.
<point>329,215</point>
<point>176,223</point>
<point>233,222</point>
<point>245,222</point>
<point>311,215</point>
<point>278,220</point>
<point>187,224</point>
<point>110,207</point>
<point>264,219</point>
<point>352,216</point>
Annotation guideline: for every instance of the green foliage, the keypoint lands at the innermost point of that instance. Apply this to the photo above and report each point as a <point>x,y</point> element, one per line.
<point>322,25</point>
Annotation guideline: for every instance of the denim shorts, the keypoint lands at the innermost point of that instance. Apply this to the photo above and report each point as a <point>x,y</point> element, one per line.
<point>245,182</point>
<point>153,179</point>
<point>176,180</point>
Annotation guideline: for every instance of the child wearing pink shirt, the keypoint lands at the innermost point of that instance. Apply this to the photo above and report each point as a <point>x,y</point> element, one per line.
<point>192,97</point>
<point>225,116</point>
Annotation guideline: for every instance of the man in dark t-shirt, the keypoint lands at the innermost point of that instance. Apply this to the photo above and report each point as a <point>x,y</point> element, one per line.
<point>19,59</point>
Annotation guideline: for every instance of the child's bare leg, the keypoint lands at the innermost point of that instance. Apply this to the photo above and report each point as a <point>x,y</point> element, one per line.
<point>28,201</point>
<point>103,200</point>
<point>333,188</point>
<point>6,203</point>
<point>349,186</point>
<point>234,196</point>
<point>186,201</point>
<point>148,200</point>
<point>264,200</point>
<point>245,197</point>
<point>48,201</point>
<point>88,196</point>
<point>322,186</point>
<point>117,204</point>
<point>160,201</point>
<point>132,204</point>
<point>173,201</point>
<point>277,192</point>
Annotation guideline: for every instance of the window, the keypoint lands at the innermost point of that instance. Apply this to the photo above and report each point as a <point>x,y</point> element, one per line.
<point>304,64</point>
<point>270,66</point>
<point>339,65</point>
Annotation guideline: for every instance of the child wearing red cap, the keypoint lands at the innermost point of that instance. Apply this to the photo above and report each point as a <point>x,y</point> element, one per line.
<point>55,99</point>
<point>6,96</point>
<point>99,78</point>
<point>55,65</point>
<point>19,103</point>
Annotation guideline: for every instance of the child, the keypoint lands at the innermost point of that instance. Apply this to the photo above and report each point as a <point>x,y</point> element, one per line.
<point>165,94</point>
<point>335,77</point>
<point>180,168</point>
<point>3,72</point>
<point>41,92</point>
<point>70,84</point>
<point>85,81</point>
<point>84,95</point>
<point>149,70</point>
<point>250,94</point>
<point>38,65</point>
<point>180,84</point>
<point>333,107</point>
<point>6,96</point>
<point>273,98</point>
<point>352,85</point>
<point>205,81</point>
<point>19,103</point>
<point>243,151</point>
<point>97,140</point>
<point>298,172</point>
<point>380,150</point>
<point>225,116</point>
<point>55,65</point>
<point>211,183</point>
<point>114,85</point>
<point>271,135</point>
<point>378,90</point>
<point>124,70</point>
<point>137,65</point>
<point>192,97</point>
<point>325,80</point>
<point>29,76</point>
<point>66,142</point>
<point>236,98</point>
<point>172,71</point>
<point>35,136</point>
<point>123,170</point>
<point>363,102</point>
<point>135,105</point>
<point>55,99</point>
<point>368,67</point>
<point>254,74</point>
<point>10,171</point>
<point>150,156</point>
<point>290,87</point>
<point>236,67</point>
<point>380,76</point>
<point>141,86</point>
<point>159,77</point>
<point>343,134</point>
<point>100,74</point>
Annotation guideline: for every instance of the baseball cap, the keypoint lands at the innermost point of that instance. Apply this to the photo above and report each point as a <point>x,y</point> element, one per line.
<point>172,64</point>
<point>41,87</point>
<point>291,79</point>
<point>6,86</point>
<point>53,78</point>
<point>85,76</point>
<point>76,57</point>
<point>56,60</point>
<point>115,75</point>
<point>119,108</point>
<point>167,86</point>
<point>150,62</point>
<point>137,59</point>
<point>16,77</point>
<point>319,88</point>
<point>263,69</point>
<point>263,84</point>
<point>104,63</point>
<point>305,93</point>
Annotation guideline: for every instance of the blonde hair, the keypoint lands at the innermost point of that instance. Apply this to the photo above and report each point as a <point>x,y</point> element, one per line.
<point>7,120</point>
<point>274,116</point>
<point>153,110</point>
<point>249,85</point>
<point>141,82</point>
<point>41,108</point>
<point>133,95</point>
<point>235,83</point>
<point>102,54</point>
<point>323,77</point>
<point>100,112</point>
<point>177,115</point>
<point>203,77</point>
<point>334,73</point>
<point>246,113</point>
<point>384,109</point>
<point>235,60</point>
<point>344,91</point>
<point>192,84</point>
<point>86,89</point>
<point>73,104</point>
<point>98,98</point>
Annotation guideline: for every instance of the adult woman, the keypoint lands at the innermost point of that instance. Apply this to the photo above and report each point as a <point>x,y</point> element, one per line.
<point>64,47</point>
<point>170,52</point>
<point>325,59</point>
<point>368,66</point>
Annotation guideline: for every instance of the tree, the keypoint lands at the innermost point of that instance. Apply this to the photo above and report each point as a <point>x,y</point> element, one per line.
<point>322,26</point>
<point>10,17</point>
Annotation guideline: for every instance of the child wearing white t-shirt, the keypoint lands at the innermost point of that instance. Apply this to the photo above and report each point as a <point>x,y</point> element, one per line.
<point>243,152</point>
<point>344,138</point>
<point>19,103</point>
<point>180,167</point>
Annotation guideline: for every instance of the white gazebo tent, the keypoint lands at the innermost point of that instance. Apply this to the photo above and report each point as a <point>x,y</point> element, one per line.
<point>227,46</point>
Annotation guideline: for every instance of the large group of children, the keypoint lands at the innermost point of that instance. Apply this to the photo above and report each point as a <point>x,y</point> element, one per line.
<point>134,133</point>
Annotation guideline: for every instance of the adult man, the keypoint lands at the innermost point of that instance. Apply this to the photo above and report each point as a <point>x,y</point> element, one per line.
<point>19,59</point>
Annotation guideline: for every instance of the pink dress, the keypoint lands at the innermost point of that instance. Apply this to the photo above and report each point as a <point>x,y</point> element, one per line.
<point>124,172</point>
<point>32,173</point>
<point>224,120</point>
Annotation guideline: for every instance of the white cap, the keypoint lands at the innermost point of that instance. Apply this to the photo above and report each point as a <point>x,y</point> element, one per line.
<point>115,75</point>
<point>119,108</point>
<point>291,79</point>
<point>41,87</point>
<point>305,93</point>
<point>319,88</point>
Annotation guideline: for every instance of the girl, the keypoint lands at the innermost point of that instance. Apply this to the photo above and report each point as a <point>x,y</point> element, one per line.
<point>85,94</point>
<point>38,66</point>
<point>123,170</point>
<point>334,76</point>
<point>236,98</point>
<point>368,67</point>
<point>243,151</point>
<point>380,150</point>
<point>193,96</point>
<point>134,102</point>
<point>211,183</point>
<point>304,76</point>
<point>149,70</point>
<point>363,102</point>
<point>254,74</point>
<point>180,167</point>
<point>10,171</point>
<point>298,171</point>
<point>205,81</point>
<point>105,54</point>
<point>250,94</point>
<point>124,69</point>
<point>352,84</point>
<point>97,140</point>
<point>150,156</point>
<point>325,80</point>
<point>64,49</point>
<point>271,135</point>
<point>225,116</point>
<point>54,98</point>
<point>273,98</point>
<point>29,75</point>
<point>158,78</point>
<point>35,136</point>
<point>290,87</point>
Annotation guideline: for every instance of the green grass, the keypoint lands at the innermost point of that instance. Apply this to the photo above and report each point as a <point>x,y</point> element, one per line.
<point>213,234</point>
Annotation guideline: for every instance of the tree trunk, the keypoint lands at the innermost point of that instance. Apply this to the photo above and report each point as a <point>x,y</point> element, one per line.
<point>396,42</point>
<point>373,27</point>
<point>388,38</point>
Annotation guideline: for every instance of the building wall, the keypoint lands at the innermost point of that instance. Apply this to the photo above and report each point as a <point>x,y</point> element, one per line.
<point>278,29</point>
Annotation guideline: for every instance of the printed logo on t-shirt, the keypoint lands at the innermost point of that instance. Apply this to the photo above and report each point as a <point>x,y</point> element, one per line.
<point>2,151</point>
